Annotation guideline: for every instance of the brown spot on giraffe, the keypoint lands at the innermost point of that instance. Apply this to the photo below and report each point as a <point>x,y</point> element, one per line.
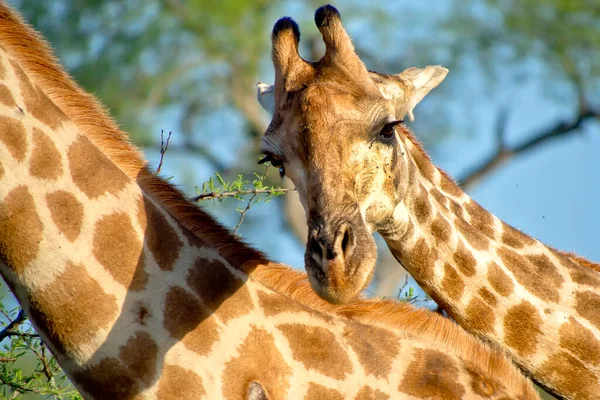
<point>139,355</point>
<point>580,273</point>
<point>161,238</point>
<point>65,305</point>
<point>499,280</point>
<point>449,186</point>
<point>1,170</point>
<point>565,371</point>
<point>421,208</point>
<point>109,379</point>
<point>482,385</point>
<point>464,260</point>
<point>422,257</point>
<point>475,238</point>
<point>318,349</point>
<point>37,103</point>
<point>6,96</point>
<point>92,172</point>
<point>580,341</point>
<point>515,238</point>
<point>439,197</point>
<point>588,306</point>
<point>368,393</point>
<point>12,135</point>
<point>273,304</point>
<point>179,383</point>
<point>481,219</point>
<point>259,361</point>
<point>424,165</point>
<point>220,291</point>
<point>45,160</point>
<point>457,209</point>
<point>529,269</point>
<point>452,284</point>
<point>522,325</point>
<point>432,375</point>
<point>188,321</point>
<point>479,316</point>
<point>440,229</point>
<point>142,312</point>
<point>316,391</point>
<point>2,68</point>
<point>119,250</point>
<point>66,212</point>
<point>487,296</point>
<point>376,355</point>
<point>20,229</point>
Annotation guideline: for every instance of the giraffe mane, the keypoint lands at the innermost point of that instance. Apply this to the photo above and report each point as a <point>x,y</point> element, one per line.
<point>35,56</point>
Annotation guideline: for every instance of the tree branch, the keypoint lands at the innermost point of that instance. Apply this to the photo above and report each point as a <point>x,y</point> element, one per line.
<point>502,154</point>
<point>254,192</point>
<point>11,328</point>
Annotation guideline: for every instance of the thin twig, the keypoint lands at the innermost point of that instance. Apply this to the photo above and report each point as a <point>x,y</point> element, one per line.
<point>217,195</point>
<point>11,328</point>
<point>163,149</point>
<point>7,359</point>
<point>243,213</point>
<point>19,388</point>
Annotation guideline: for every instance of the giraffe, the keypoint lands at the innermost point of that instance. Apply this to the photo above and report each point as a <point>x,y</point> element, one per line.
<point>337,133</point>
<point>140,294</point>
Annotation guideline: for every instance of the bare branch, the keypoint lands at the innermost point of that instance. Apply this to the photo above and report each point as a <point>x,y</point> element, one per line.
<point>502,155</point>
<point>164,146</point>
<point>243,213</point>
<point>254,192</point>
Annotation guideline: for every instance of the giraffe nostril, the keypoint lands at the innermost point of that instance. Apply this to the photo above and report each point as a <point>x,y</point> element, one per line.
<point>315,247</point>
<point>345,240</point>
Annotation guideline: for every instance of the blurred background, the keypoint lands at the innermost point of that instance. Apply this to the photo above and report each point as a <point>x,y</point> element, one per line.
<point>516,122</point>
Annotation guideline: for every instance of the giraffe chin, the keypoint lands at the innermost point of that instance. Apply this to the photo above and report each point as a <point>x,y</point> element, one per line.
<point>340,282</point>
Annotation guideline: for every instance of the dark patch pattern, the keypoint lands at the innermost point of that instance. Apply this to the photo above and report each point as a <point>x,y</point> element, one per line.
<point>37,103</point>
<point>109,379</point>
<point>440,229</point>
<point>62,309</point>
<point>522,326</point>
<point>13,136</point>
<point>139,355</point>
<point>258,361</point>
<point>475,238</point>
<point>421,258</point>
<point>6,96</point>
<point>565,371</point>
<point>515,238</point>
<point>160,237</point>
<point>66,212</point>
<point>432,375</point>
<point>487,296</point>
<point>273,304</point>
<point>368,393</point>
<point>452,284</point>
<point>20,229</point>
<point>186,320</point>
<point>479,317</point>
<point>92,172</point>
<point>499,280</point>
<point>220,291</point>
<point>179,384</point>
<point>317,349</point>
<point>529,271</point>
<point>481,219</point>
<point>588,306</point>
<point>118,249</point>
<point>464,260</point>
<point>580,341</point>
<point>316,391</point>
<point>45,162</point>
<point>377,354</point>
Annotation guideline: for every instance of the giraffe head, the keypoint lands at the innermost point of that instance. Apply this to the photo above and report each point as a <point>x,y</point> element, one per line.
<point>333,133</point>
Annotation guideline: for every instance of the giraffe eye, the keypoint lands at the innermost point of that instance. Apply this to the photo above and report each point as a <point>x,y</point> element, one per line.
<point>274,162</point>
<point>388,131</point>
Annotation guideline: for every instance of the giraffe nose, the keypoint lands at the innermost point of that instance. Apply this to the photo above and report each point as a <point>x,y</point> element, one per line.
<point>328,245</point>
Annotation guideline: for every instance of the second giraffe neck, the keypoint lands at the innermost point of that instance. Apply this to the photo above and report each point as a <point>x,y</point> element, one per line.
<point>494,280</point>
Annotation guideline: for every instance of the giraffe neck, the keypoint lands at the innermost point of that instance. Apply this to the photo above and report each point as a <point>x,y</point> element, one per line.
<point>140,294</point>
<point>538,304</point>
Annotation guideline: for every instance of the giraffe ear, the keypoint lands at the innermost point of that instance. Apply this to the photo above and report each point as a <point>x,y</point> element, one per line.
<point>423,79</point>
<point>266,97</point>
